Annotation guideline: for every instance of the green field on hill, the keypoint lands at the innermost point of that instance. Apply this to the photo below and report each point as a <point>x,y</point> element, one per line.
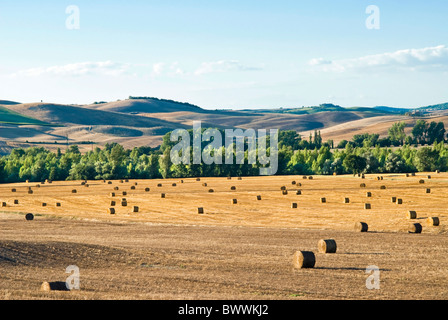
<point>10,117</point>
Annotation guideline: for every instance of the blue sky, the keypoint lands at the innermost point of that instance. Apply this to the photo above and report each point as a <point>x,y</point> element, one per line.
<point>226,54</point>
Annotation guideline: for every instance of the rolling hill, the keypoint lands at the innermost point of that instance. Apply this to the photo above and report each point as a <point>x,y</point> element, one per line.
<point>145,105</point>
<point>8,116</point>
<point>142,121</point>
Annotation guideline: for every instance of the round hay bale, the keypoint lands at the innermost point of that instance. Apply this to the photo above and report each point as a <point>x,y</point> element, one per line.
<point>44,204</point>
<point>407,175</point>
<point>294,205</point>
<point>327,246</point>
<point>181,181</point>
<point>30,191</point>
<point>362,185</point>
<point>378,178</point>
<point>204,184</point>
<point>229,178</point>
<point>399,201</point>
<point>293,182</point>
<point>29,217</point>
<point>415,228</point>
<point>284,192</point>
<point>232,188</point>
<point>413,174</point>
<point>304,177</point>
<point>323,200</point>
<point>200,210</point>
<point>298,192</point>
<point>381,178</point>
<point>58,204</point>
<point>412,215</point>
<point>162,195</point>
<point>383,188</point>
<point>282,188</point>
<point>346,200</point>
<point>393,199</point>
<point>83,183</point>
<point>310,178</point>
<point>126,180</point>
<point>159,185</point>
<point>86,185</point>
<point>304,259</point>
<point>111,210</point>
<point>121,181</point>
<point>198,179</point>
<point>234,201</point>
<point>124,203</point>
<point>132,187</point>
<point>147,189</point>
<point>123,199</point>
<point>429,177</point>
<point>109,182</point>
<point>361,227</point>
<point>54,286</point>
<point>437,171</point>
<point>369,194</point>
<point>112,194</point>
<point>16,201</point>
<point>258,197</point>
<point>211,190</point>
<point>112,203</point>
<point>124,193</point>
<point>239,178</point>
<point>13,190</point>
<point>135,183</point>
<point>74,191</point>
<point>428,190</point>
<point>363,176</point>
<point>421,181</point>
<point>298,184</point>
<point>3,204</point>
<point>367,206</point>
<point>38,185</point>
<point>174,185</point>
<point>433,221</point>
<point>135,209</point>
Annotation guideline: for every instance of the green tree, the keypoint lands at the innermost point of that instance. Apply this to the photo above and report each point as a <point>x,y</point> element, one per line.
<point>397,134</point>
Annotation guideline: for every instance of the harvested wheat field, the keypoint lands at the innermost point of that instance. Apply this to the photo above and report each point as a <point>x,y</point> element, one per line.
<point>196,244</point>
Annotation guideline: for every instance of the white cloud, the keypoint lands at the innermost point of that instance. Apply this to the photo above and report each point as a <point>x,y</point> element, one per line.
<point>78,69</point>
<point>223,66</point>
<point>410,59</point>
<point>158,68</point>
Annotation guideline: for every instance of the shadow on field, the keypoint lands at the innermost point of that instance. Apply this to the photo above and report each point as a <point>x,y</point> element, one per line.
<point>345,269</point>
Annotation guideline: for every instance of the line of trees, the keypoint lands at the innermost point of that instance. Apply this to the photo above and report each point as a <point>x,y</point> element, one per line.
<point>364,154</point>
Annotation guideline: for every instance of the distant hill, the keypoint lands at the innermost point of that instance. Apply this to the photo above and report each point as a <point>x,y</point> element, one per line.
<point>442,106</point>
<point>328,107</point>
<point>136,105</point>
<point>10,117</point>
<point>64,114</point>
<point>392,109</point>
<point>7,102</point>
<point>142,121</point>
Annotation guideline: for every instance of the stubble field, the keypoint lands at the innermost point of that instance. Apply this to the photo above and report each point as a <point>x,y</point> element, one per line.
<point>167,250</point>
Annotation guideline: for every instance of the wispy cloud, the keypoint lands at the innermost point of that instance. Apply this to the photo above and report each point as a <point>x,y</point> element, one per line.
<point>411,59</point>
<point>162,68</point>
<point>109,68</point>
<point>223,66</point>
